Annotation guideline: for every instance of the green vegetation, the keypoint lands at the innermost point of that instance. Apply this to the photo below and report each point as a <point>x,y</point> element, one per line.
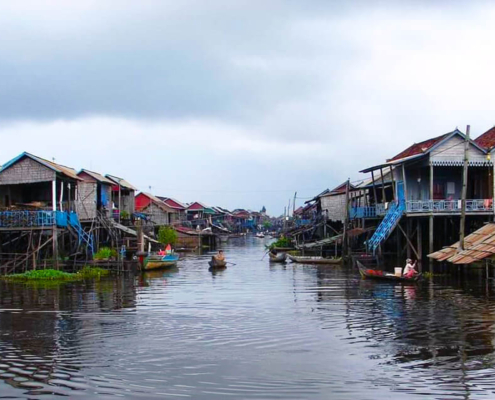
<point>267,224</point>
<point>105,253</point>
<point>282,242</point>
<point>167,235</point>
<point>124,215</point>
<point>53,275</point>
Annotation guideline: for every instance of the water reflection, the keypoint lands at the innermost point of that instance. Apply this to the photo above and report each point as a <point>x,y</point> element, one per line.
<point>255,330</point>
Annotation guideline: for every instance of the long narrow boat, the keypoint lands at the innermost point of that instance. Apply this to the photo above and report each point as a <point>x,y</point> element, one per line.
<point>314,260</point>
<point>214,263</point>
<point>156,261</point>
<point>382,275</point>
<point>279,257</point>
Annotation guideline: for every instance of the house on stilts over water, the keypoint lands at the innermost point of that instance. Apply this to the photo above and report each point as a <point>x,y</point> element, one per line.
<point>422,206</point>
<point>38,217</point>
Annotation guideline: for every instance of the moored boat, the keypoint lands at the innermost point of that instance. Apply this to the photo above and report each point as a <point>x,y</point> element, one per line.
<point>279,257</point>
<point>382,275</point>
<point>260,235</point>
<point>158,261</point>
<point>314,260</point>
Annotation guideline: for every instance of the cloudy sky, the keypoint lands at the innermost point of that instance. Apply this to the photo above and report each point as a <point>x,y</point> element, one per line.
<point>240,103</point>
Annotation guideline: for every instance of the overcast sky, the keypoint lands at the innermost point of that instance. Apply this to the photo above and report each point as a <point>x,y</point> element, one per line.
<point>240,103</point>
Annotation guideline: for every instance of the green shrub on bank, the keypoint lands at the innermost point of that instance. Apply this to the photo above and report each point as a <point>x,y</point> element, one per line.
<point>282,242</point>
<point>105,253</point>
<point>39,275</point>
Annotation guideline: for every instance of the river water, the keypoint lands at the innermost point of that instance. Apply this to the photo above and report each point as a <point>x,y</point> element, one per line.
<point>253,331</point>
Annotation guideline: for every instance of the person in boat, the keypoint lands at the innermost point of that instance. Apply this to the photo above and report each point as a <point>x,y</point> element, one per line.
<point>409,269</point>
<point>219,256</point>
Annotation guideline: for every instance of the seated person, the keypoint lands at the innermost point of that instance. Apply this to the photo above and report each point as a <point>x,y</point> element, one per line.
<point>219,256</point>
<point>409,270</point>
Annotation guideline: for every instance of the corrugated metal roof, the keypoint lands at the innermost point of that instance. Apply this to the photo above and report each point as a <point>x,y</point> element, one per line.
<point>61,169</point>
<point>97,176</point>
<point>487,139</point>
<point>119,181</point>
<point>478,246</point>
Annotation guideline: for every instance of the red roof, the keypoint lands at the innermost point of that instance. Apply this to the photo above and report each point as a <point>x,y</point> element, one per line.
<point>174,204</point>
<point>419,148</point>
<point>196,206</point>
<point>487,139</point>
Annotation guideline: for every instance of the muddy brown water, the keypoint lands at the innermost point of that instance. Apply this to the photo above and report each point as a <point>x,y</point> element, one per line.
<point>253,331</point>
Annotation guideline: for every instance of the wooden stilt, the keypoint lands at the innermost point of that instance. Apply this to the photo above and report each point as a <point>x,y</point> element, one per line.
<point>420,246</point>
<point>408,235</point>
<point>431,247</point>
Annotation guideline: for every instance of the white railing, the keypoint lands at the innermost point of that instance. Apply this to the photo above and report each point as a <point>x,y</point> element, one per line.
<point>448,206</point>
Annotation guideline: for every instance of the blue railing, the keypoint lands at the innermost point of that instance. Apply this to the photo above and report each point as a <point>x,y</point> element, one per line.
<point>32,219</point>
<point>301,222</point>
<point>392,218</point>
<point>362,212</point>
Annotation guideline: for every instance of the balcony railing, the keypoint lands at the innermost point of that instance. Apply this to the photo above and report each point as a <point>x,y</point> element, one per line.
<point>35,219</point>
<point>448,206</point>
<point>367,212</point>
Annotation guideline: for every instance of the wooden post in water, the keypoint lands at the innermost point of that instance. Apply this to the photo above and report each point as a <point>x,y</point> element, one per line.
<point>420,246</point>
<point>464,190</point>
<point>346,220</point>
<point>383,186</point>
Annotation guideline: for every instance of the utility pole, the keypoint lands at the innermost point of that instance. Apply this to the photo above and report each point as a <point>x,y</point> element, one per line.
<point>294,204</point>
<point>464,190</point>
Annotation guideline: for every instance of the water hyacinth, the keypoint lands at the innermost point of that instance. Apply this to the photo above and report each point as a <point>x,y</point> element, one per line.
<point>55,275</point>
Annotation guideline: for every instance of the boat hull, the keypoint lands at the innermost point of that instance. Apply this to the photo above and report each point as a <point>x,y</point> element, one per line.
<point>379,275</point>
<point>279,257</point>
<point>217,264</point>
<point>160,262</point>
<point>314,260</point>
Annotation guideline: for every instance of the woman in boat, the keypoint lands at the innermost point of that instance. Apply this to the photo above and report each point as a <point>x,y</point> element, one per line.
<point>409,270</point>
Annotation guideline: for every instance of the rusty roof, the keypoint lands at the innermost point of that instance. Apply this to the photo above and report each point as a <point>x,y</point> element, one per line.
<point>62,169</point>
<point>487,139</point>
<point>478,246</point>
<point>120,181</point>
<point>420,148</point>
<point>95,175</point>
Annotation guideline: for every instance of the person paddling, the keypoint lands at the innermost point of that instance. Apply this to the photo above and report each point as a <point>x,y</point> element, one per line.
<point>409,270</point>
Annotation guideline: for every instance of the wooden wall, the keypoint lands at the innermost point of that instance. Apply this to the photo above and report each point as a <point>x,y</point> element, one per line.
<point>86,203</point>
<point>334,206</point>
<point>26,171</point>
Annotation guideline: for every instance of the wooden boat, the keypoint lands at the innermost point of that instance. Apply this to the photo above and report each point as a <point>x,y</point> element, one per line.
<point>214,263</point>
<point>382,275</point>
<point>157,261</point>
<point>260,235</point>
<point>279,257</point>
<point>314,260</point>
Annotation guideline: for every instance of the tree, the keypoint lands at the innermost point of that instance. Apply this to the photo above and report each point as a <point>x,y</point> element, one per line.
<point>267,224</point>
<point>167,235</point>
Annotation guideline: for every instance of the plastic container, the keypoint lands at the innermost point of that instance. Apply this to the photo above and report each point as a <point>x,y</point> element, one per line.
<point>398,272</point>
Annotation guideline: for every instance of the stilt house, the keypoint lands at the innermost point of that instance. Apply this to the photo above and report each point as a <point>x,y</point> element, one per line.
<point>94,195</point>
<point>123,194</point>
<point>158,211</point>
<point>427,184</point>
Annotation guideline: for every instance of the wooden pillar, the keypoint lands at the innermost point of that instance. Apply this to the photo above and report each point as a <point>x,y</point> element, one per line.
<point>394,188</point>
<point>374,187</point>
<point>420,245</point>
<point>383,186</point>
<point>405,183</point>
<point>55,246</point>
<point>431,249</point>
<point>54,195</point>
<point>408,231</point>
<point>431,182</point>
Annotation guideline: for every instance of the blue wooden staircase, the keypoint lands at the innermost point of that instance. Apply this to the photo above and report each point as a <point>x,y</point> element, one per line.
<point>83,236</point>
<point>388,224</point>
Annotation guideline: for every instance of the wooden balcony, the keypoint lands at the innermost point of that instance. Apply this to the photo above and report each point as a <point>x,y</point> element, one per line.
<point>32,219</point>
<point>477,206</point>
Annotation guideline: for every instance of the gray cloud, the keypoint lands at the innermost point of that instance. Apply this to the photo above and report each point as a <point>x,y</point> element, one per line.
<point>308,91</point>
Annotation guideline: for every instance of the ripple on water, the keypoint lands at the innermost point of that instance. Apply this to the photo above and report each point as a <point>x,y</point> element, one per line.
<point>254,331</point>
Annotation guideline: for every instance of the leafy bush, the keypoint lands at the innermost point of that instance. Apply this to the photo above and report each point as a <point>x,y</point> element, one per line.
<point>282,242</point>
<point>124,214</point>
<point>105,253</point>
<point>167,235</point>
<point>55,275</point>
